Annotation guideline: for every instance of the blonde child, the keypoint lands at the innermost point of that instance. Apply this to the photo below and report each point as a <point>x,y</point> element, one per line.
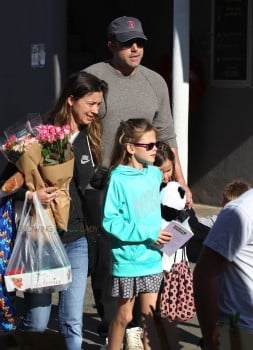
<point>132,217</point>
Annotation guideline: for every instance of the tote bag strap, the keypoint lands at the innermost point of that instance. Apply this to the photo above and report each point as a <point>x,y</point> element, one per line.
<point>184,254</point>
<point>183,258</point>
<point>175,256</point>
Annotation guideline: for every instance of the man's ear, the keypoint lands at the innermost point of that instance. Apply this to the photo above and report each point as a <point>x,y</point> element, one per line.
<point>130,148</point>
<point>111,45</point>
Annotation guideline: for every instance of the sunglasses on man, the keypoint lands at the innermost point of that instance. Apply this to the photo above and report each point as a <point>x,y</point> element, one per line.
<point>127,44</point>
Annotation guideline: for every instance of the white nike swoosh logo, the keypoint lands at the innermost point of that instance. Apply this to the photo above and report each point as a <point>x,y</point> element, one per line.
<point>84,161</point>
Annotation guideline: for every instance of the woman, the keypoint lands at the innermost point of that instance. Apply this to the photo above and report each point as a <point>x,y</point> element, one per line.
<point>78,106</point>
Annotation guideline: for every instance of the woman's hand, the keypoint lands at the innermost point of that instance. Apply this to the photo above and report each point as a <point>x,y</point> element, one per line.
<point>46,195</point>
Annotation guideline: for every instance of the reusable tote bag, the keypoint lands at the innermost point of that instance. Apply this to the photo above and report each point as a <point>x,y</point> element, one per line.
<point>39,262</point>
<point>177,298</point>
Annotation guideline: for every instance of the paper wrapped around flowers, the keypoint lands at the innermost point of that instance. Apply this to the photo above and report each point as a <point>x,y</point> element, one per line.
<point>59,176</point>
<point>22,149</point>
<point>57,168</point>
<point>39,262</point>
<point>43,154</point>
<point>12,184</point>
<point>28,164</point>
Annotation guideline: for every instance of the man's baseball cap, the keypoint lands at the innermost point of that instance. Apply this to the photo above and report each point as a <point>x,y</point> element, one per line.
<point>125,28</point>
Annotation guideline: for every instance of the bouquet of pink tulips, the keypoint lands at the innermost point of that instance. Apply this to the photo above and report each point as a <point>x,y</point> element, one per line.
<point>57,167</point>
<point>43,154</point>
<point>56,148</point>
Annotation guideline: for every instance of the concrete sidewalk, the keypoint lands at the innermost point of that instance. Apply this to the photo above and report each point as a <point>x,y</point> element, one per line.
<point>189,333</point>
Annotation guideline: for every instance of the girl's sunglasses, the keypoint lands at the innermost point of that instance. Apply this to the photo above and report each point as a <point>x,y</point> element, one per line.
<point>147,146</point>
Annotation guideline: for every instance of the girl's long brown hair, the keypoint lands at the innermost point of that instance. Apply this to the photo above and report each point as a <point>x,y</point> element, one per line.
<point>163,153</point>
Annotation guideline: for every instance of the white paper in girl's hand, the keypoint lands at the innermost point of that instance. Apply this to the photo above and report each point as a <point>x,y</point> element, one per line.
<point>180,235</point>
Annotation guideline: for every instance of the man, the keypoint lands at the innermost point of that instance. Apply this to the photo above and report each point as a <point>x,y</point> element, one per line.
<point>134,92</point>
<point>223,278</point>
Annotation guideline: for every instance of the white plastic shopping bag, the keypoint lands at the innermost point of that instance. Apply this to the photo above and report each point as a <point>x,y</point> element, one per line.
<point>39,262</point>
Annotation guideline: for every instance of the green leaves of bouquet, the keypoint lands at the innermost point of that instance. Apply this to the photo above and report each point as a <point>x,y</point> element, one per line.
<point>54,140</point>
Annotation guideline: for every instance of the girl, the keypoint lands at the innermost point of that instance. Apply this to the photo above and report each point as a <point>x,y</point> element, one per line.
<point>132,217</point>
<point>175,200</point>
<point>165,160</point>
<point>78,105</point>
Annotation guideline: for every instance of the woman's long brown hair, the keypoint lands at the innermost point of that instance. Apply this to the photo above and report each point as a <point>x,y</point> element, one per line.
<point>77,85</point>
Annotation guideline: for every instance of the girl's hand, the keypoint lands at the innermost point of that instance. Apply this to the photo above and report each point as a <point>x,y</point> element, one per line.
<point>163,237</point>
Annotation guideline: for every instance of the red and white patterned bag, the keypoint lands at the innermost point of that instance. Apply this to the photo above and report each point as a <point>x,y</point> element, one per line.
<point>177,298</point>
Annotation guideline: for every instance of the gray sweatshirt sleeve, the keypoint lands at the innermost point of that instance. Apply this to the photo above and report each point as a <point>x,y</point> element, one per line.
<point>163,119</point>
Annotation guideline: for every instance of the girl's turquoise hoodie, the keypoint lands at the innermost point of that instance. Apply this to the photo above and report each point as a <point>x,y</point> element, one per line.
<point>132,216</point>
